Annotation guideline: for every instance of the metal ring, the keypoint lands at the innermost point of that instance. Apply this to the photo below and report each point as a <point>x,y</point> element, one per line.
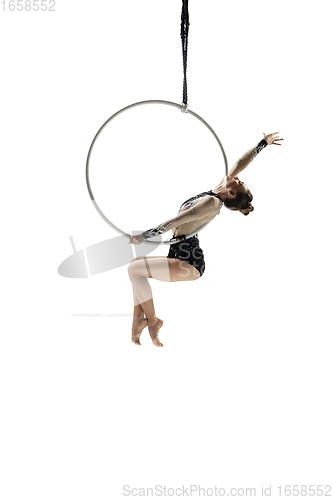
<point>168,103</point>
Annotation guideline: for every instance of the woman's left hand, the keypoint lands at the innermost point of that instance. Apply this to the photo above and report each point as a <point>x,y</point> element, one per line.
<point>137,239</point>
<point>271,138</point>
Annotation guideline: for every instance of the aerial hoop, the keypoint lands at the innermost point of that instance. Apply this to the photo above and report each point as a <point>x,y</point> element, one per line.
<point>168,103</point>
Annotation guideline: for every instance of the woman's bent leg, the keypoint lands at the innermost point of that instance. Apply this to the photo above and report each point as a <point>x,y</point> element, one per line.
<point>139,321</point>
<point>162,269</point>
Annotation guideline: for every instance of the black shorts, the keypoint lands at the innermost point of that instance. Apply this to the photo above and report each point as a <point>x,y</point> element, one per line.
<point>188,251</point>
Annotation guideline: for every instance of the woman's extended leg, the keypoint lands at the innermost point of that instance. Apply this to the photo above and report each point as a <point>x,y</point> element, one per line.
<point>162,269</point>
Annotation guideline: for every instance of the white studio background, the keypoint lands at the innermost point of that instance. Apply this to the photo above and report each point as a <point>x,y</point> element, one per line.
<point>239,396</point>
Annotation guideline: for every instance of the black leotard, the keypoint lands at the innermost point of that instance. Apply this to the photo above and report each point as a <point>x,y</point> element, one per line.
<point>188,250</point>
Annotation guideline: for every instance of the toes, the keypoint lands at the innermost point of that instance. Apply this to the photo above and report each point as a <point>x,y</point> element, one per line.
<point>157,343</point>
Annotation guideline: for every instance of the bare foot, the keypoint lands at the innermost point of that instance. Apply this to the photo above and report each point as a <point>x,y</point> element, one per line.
<point>153,331</point>
<point>138,325</point>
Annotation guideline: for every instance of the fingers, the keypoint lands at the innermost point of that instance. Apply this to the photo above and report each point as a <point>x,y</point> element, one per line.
<point>271,135</point>
<point>273,138</point>
<point>134,241</point>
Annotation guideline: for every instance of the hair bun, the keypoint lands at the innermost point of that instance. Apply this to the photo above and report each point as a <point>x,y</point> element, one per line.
<point>247,208</point>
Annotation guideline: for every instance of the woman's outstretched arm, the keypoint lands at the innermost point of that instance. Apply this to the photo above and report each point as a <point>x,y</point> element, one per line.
<point>246,159</point>
<point>200,210</point>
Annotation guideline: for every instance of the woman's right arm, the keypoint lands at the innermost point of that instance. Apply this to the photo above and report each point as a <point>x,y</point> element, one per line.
<point>200,210</point>
<point>246,159</point>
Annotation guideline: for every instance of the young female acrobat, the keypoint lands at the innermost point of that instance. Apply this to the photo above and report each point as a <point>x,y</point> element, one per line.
<point>185,260</point>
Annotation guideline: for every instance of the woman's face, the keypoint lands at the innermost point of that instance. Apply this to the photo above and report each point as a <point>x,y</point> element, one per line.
<point>235,186</point>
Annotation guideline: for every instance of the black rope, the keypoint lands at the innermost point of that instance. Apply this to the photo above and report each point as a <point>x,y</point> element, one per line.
<point>184,28</point>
